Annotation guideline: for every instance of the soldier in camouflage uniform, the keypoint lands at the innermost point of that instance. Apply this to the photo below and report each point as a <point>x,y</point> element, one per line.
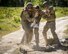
<point>30,20</point>
<point>50,24</point>
<point>26,21</point>
<point>35,25</point>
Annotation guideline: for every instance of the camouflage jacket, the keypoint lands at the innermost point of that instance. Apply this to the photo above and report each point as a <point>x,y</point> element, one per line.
<point>50,16</point>
<point>38,16</point>
<point>25,18</point>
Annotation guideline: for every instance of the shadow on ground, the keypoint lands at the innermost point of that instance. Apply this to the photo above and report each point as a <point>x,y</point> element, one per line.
<point>50,49</point>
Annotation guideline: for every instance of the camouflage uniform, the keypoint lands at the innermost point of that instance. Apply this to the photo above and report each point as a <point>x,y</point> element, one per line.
<point>50,24</point>
<point>26,21</point>
<point>37,18</point>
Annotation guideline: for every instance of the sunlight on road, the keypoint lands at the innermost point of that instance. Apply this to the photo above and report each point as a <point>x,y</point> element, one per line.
<point>15,37</point>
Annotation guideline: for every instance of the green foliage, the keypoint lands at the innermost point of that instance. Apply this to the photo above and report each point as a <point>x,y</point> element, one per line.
<point>35,2</point>
<point>61,11</point>
<point>17,3</point>
<point>16,20</point>
<point>9,19</point>
<point>61,3</point>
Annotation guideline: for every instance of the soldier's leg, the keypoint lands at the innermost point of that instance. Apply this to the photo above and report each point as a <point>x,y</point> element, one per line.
<point>36,32</point>
<point>23,39</point>
<point>45,29</point>
<point>26,39</point>
<point>53,28</point>
<point>29,35</point>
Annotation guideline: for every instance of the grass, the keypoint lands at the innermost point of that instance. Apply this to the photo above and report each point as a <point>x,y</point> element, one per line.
<point>10,18</point>
<point>61,11</point>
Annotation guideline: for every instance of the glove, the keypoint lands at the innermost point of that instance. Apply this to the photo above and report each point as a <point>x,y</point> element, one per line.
<point>33,24</point>
<point>36,26</point>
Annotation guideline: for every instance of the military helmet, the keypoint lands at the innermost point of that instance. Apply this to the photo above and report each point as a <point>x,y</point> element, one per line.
<point>37,7</point>
<point>29,6</point>
<point>50,7</point>
<point>45,3</point>
<point>29,3</point>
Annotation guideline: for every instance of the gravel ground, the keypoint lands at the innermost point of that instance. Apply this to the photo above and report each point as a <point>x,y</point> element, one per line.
<point>13,39</point>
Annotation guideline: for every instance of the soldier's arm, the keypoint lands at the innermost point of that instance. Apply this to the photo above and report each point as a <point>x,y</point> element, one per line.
<point>35,19</point>
<point>27,17</point>
<point>24,16</point>
<point>44,14</point>
<point>38,16</point>
<point>35,23</point>
<point>54,13</point>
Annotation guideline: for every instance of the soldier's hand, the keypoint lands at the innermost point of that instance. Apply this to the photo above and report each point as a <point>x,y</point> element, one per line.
<point>36,26</point>
<point>33,24</point>
<point>29,20</point>
<point>36,14</point>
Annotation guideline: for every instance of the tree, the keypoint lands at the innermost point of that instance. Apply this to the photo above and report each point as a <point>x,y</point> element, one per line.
<point>35,2</point>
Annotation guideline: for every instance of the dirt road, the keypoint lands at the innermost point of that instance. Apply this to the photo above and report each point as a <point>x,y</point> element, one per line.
<point>9,42</point>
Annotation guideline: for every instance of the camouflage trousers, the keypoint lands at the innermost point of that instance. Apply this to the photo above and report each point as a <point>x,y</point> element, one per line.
<point>28,34</point>
<point>36,32</point>
<point>52,27</point>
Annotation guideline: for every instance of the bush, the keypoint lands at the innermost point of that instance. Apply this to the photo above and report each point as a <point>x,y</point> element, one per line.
<point>9,19</point>
<point>61,11</point>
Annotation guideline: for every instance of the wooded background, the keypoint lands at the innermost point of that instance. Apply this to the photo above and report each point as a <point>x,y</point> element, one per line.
<point>21,3</point>
<point>10,11</point>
